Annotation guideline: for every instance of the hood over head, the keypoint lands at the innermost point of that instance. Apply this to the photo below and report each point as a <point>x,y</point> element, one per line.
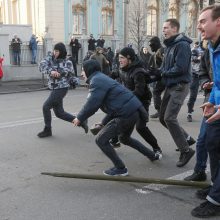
<point>154,43</point>
<point>91,66</point>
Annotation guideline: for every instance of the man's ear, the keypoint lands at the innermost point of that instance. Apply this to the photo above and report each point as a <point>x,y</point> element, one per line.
<point>218,22</point>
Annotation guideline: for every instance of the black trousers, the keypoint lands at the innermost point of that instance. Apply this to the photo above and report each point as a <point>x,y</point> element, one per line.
<point>122,128</point>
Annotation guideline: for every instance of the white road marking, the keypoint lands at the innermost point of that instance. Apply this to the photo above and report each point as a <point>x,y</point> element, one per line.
<point>157,187</point>
<point>29,121</point>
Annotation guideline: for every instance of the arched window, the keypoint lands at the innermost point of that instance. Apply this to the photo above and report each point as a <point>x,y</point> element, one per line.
<point>79,16</point>
<point>152,9</point>
<point>107,17</point>
<point>173,9</point>
<point>192,16</point>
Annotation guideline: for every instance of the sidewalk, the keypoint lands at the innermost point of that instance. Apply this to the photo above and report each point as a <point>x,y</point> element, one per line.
<point>8,87</point>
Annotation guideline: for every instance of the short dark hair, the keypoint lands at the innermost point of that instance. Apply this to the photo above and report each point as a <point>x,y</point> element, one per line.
<point>174,23</point>
<point>215,11</point>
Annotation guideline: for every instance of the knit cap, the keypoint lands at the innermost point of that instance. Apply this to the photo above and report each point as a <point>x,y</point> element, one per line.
<point>128,52</point>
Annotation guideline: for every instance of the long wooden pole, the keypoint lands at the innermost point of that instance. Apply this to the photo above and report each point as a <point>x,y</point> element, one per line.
<point>128,179</point>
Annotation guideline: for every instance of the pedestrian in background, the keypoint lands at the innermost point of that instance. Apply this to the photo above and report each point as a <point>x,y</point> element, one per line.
<point>100,42</point>
<point>91,43</point>
<point>33,47</point>
<point>16,49</point>
<point>58,69</point>
<point>176,76</point>
<point>75,46</point>
<point>194,85</point>
<point>145,56</point>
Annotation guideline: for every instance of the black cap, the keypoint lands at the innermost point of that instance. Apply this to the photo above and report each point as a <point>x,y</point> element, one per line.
<point>128,52</point>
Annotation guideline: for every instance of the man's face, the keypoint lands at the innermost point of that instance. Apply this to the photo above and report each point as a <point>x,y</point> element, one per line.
<point>208,27</point>
<point>123,61</point>
<point>168,30</point>
<point>145,50</point>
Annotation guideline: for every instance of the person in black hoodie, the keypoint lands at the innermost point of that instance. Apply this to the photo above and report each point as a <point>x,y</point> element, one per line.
<point>155,62</point>
<point>124,108</point>
<point>133,76</point>
<point>176,75</point>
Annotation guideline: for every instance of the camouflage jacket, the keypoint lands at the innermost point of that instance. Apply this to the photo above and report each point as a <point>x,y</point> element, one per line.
<point>63,66</point>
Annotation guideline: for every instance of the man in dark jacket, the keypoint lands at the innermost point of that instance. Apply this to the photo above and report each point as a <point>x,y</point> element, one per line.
<point>155,62</point>
<point>176,75</point>
<point>145,56</point>
<point>134,77</point>
<point>16,49</point>
<point>75,46</point>
<point>91,43</point>
<point>123,106</point>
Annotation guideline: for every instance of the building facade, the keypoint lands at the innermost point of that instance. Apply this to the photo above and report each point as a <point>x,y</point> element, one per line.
<point>119,21</point>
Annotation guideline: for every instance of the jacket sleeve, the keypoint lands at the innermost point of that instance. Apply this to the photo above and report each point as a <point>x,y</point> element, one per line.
<point>97,93</point>
<point>45,66</point>
<point>204,70</point>
<point>182,61</point>
<point>212,95</point>
<point>139,84</point>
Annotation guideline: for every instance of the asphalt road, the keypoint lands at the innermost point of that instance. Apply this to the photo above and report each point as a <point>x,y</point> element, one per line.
<point>27,195</point>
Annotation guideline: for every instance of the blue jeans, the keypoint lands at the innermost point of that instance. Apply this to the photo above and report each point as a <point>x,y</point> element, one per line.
<point>213,147</point>
<point>201,151</point>
<point>17,57</point>
<point>34,55</point>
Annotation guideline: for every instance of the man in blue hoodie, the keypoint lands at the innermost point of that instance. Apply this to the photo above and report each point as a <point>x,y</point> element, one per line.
<point>122,106</point>
<point>176,76</point>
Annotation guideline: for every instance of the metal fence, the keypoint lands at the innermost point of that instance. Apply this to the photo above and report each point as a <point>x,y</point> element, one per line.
<point>26,53</point>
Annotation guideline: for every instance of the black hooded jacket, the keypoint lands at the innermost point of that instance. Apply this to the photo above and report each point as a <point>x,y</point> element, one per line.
<point>134,78</point>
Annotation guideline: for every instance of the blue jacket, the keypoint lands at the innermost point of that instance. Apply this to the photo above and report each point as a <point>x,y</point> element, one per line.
<point>33,43</point>
<point>215,62</point>
<point>176,66</point>
<point>109,95</point>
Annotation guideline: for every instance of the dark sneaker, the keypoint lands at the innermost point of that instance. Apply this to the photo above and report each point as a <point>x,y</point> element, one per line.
<point>205,210</point>
<point>116,172</point>
<point>189,118</point>
<point>115,144</point>
<point>47,132</point>
<point>84,125</point>
<point>202,193</point>
<point>157,150</point>
<point>156,115</point>
<point>96,128</point>
<point>191,141</point>
<point>197,176</point>
<point>185,157</point>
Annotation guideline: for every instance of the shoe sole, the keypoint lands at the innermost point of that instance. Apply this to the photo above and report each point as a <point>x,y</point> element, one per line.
<point>124,174</point>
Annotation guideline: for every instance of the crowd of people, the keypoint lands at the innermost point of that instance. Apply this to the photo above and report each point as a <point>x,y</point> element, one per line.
<point>119,85</point>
